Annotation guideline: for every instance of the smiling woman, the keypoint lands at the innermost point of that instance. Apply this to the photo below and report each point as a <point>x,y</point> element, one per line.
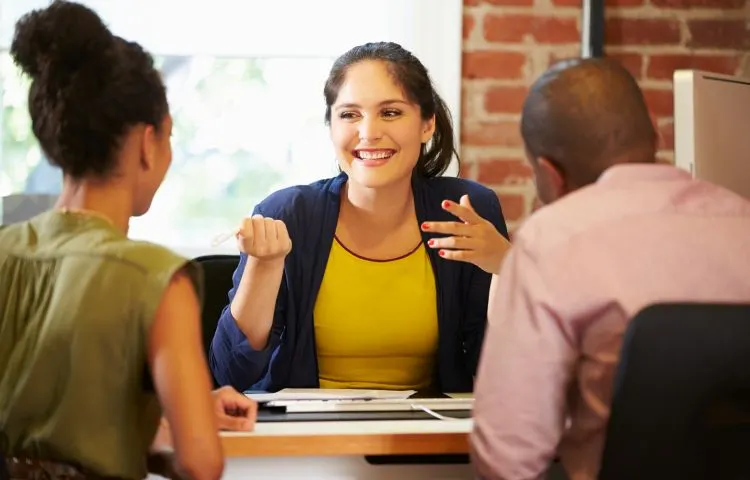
<point>374,124</point>
<point>366,298</point>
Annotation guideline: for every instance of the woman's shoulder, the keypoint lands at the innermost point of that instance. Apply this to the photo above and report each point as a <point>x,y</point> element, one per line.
<point>146,261</point>
<point>148,266</point>
<point>147,255</point>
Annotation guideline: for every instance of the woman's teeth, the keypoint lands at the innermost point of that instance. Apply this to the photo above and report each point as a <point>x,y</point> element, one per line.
<point>373,155</point>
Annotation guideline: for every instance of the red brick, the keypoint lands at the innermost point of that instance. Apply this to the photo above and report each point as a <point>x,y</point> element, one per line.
<point>468,25</point>
<point>504,99</point>
<point>662,67</point>
<point>515,27</point>
<point>509,3</point>
<point>500,171</point>
<point>632,61</point>
<point>491,134</point>
<point>718,4</point>
<point>666,136</point>
<point>513,205</point>
<point>660,102</point>
<point>607,3</point>
<point>642,31</point>
<point>466,170</point>
<point>466,109</point>
<point>719,34</point>
<point>486,64</point>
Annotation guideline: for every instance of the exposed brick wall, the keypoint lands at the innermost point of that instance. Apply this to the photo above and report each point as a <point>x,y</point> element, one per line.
<point>508,43</point>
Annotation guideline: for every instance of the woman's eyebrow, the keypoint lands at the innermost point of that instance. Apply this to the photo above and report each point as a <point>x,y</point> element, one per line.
<point>381,104</point>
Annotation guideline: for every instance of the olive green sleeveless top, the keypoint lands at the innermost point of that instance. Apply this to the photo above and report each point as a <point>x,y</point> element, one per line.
<point>77,299</point>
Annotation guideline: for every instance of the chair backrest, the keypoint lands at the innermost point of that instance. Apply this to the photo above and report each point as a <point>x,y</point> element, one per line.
<point>217,273</point>
<point>681,367</point>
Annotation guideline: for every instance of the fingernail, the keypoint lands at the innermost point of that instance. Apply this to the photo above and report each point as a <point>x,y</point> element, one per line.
<point>425,226</point>
<point>441,253</point>
<point>431,242</point>
<point>446,204</point>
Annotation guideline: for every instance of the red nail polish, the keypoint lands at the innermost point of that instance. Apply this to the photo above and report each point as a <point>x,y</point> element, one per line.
<point>446,204</point>
<point>431,242</point>
<point>425,226</point>
<point>441,253</point>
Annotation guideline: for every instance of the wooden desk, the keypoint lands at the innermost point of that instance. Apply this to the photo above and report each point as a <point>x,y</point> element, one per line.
<point>337,450</point>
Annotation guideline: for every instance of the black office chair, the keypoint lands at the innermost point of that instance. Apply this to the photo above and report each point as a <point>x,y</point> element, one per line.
<point>681,399</point>
<point>217,274</point>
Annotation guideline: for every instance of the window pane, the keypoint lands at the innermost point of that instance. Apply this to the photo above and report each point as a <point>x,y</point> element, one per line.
<point>22,165</point>
<point>243,127</point>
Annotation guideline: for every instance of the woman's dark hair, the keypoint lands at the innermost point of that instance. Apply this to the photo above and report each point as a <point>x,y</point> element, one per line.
<point>412,76</point>
<point>88,87</point>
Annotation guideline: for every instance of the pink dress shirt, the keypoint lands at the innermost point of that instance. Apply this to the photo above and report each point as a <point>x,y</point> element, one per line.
<point>579,269</point>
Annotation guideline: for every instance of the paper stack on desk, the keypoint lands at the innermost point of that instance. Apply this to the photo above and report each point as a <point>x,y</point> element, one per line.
<point>374,405</point>
<point>321,394</point>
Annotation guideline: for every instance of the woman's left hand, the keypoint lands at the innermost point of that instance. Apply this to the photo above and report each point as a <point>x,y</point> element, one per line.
<point>474,240</point>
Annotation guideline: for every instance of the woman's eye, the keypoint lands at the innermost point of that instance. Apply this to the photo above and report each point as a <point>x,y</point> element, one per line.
<point>347,115</point>
<point>391,113</point>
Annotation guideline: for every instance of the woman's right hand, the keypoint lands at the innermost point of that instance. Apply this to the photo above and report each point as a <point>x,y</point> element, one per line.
<point>263,238</point>
<point>266,242</point>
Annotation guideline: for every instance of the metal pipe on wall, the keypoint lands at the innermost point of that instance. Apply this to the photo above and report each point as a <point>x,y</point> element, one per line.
<point>592,28</point>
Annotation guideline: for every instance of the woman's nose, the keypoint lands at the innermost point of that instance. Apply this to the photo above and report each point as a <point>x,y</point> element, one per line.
<point>370,129</point>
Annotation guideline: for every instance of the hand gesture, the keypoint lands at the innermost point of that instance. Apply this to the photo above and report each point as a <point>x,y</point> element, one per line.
<point>233,410</point>
<point>263,238</point>
<point>473,240</point>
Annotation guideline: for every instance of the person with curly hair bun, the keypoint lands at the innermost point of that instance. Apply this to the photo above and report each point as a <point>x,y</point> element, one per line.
<point>98,333</point>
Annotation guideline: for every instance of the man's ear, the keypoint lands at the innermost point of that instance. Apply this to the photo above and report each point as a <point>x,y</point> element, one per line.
<point>148,148</point>
<point>553,181</point>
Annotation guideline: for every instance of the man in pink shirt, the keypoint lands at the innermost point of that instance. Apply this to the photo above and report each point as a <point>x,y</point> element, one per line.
<point>618,232</point>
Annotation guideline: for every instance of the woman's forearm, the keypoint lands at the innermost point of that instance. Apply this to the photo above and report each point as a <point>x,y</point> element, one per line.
<point>255,300</point>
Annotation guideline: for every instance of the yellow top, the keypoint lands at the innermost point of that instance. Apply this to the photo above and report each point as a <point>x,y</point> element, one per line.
<point>376,321</point>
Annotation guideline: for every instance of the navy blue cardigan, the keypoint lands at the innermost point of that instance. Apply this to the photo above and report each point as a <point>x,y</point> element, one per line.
<point>310,213</point>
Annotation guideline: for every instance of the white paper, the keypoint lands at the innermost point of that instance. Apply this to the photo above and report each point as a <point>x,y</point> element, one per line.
<point>330,394</point>
<point>375,405</point>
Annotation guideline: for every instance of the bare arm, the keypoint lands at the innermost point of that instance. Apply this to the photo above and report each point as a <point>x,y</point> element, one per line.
<point>178,367</point>
<point>255,300</point>
<point>266,243</point>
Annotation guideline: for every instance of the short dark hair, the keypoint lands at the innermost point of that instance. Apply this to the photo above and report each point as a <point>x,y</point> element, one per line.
<point>412,76</point>
<point>585,115</point>
<point>88,87</point>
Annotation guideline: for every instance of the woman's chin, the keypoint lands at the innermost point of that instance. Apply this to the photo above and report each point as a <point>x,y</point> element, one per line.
<point>377,175</point>
<point>374,177</point>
